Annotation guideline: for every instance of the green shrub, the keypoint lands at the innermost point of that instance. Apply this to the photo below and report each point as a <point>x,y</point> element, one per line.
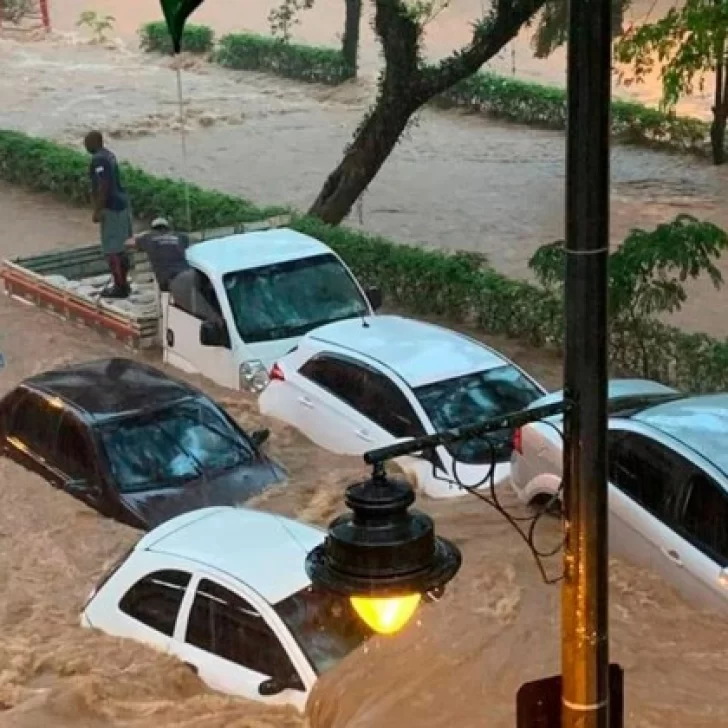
<point>301,62</point>
<point>545,106</point>
<point>155,38</point>
<point>422,281</point>
<point>64,172</point>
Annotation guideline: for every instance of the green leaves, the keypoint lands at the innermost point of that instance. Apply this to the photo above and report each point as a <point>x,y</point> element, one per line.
<point>687,43</point>
<point>176,13</point>
<point>304,63</point>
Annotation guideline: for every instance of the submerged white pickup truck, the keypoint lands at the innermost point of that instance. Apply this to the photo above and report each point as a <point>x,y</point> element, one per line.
<point>247,298</point>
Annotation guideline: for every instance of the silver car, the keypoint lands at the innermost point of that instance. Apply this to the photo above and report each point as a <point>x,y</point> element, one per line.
<point>668,474</point>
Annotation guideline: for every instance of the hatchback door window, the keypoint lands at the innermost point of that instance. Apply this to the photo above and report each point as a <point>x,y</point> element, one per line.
<point>224,624</point>
<point>705,519</point>
<point>35,423</point>
<point>74,454</point>
<point>155,600</point>
<point>647,472</point>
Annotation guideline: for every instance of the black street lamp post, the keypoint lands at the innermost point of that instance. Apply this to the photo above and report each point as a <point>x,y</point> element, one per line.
<point>585,654</point>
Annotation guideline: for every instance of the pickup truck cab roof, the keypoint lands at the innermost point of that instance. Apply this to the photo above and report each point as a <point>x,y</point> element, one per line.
<point>251,250</point>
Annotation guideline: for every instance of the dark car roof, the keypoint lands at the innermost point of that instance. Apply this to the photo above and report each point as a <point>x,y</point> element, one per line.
<point>107,387</point>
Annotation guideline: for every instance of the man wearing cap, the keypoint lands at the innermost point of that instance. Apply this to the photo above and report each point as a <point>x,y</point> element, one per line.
<point>165,249</point>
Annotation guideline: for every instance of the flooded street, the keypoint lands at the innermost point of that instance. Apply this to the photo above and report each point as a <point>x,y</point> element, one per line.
<point>461,664</point>
<point>456,181</point>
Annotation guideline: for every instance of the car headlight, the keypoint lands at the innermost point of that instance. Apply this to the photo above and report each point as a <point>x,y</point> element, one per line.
<point>253,376</point>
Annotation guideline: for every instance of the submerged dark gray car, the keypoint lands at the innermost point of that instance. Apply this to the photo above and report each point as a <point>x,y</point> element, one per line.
<point>131,442</point>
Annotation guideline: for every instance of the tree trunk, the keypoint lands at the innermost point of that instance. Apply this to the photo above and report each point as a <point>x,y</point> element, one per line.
<point>717,138</point>
<point>364,157</point>
<point>350,42</point>
<point>720,105</point>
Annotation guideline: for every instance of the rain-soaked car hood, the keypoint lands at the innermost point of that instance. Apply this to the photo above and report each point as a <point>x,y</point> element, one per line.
<point>228,488</point>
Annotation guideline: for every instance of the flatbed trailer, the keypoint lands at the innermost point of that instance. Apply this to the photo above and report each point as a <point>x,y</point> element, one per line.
<point>68,283</point>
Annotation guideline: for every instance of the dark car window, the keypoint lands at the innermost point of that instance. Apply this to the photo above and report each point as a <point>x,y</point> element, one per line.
<point>224,624</point>
<point>647,472</point>
<point>705,519</point>
<point>367,391</point>
<point>74,454</point>
<point>186,441</point>
<point>155,600</point>
<point>475,397</point>
<point>35,423</point>
<point>9,403</point>
<point>193,292</point>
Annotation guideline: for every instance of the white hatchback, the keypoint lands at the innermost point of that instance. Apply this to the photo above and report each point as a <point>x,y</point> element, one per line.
<point>225,590</point>
<point>360,384</point>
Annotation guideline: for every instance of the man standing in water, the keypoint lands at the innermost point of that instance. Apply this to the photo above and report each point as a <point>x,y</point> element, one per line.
<point>111,210</point>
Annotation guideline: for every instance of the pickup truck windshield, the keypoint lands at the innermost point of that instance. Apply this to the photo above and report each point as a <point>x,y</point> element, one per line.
<point>290,299</point>
<point>186,441</point>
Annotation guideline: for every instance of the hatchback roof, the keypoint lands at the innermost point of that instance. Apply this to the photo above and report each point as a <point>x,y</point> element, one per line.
<point>421,353</point>
<point>700,423</point>
<point>106,387</point>
<point>263,550</point>
<point>245,251</point>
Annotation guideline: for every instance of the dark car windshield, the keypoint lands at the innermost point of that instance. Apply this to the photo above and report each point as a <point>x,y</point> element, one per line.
<point>186,441</point>
<point>325,626</point>
<point>473,398</point>
<point>289,299</point>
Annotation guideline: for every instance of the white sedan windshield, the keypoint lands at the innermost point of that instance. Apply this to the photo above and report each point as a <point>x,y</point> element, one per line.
<point>473,398</point>
<point>324,625</point>
<point>290,299</point>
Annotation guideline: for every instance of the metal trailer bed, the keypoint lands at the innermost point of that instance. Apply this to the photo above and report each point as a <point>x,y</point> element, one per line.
<point>67,284</point>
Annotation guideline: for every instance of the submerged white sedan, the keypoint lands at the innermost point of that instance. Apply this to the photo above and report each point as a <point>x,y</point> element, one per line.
<point>668,482</point>
<point>360,384</point>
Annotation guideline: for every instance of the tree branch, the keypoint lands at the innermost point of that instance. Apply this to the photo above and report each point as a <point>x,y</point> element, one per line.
<point>489,37</point>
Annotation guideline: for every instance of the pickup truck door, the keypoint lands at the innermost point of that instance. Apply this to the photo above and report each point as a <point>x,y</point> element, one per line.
<point>183,347</point>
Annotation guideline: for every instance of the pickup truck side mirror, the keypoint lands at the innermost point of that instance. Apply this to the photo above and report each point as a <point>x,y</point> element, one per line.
<point>214,333</point>
<point>375,296</point>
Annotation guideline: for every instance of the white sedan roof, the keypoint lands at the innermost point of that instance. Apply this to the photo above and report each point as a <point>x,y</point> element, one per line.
<point>419,352</point>
<point>251,250</point>
<point>263,550</point>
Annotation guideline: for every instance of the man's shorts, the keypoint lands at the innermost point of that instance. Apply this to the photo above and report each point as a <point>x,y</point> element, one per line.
<point>116,229</point>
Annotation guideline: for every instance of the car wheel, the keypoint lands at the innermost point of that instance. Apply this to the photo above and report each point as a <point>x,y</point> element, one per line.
<point>543,501</point>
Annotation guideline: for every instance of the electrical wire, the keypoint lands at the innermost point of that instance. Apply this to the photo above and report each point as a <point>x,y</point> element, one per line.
<point>528,535</point>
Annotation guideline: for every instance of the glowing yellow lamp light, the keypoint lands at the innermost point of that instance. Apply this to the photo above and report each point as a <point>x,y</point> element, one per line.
<point>386,615</point>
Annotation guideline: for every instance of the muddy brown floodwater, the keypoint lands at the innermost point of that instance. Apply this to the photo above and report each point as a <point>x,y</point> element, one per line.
<point>459,664</point>
<point>456,182</point>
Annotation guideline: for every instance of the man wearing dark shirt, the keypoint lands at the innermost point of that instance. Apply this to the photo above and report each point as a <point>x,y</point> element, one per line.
<point>111,211</point>
<point>165,249</point>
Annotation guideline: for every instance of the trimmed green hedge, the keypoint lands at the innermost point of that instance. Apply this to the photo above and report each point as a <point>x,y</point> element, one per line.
<point>155,38</point>
<point>545,106</point>
<point>427,282</point>
<point>311,64</point>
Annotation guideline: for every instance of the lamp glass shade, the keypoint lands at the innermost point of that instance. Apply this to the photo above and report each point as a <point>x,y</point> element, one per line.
<point>386,615</point>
